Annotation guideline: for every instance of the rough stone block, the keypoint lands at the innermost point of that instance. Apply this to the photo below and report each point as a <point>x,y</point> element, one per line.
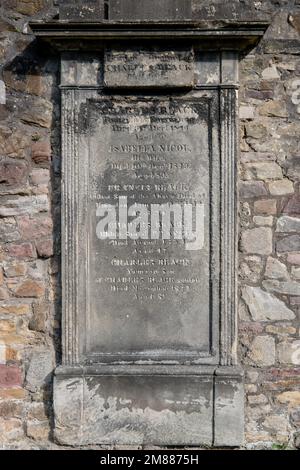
<point>10,376</point>
<point>257,241</point>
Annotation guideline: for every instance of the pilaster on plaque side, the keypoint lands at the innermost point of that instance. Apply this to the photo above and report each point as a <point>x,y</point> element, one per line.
<point>228,227</point>
<point>72,162</point>
<point>69,229</point>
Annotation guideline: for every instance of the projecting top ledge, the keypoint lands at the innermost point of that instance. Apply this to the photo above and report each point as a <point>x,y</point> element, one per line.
<point>220,34</point>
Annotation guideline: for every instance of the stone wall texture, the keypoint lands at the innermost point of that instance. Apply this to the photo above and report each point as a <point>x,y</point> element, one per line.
<point>269,243</point>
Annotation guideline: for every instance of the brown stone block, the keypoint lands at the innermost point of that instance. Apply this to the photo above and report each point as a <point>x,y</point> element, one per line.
<point>29,7</point>
<point>7,326</point>
<point>45,248</point>
<point>30,288</point>
<point>265,206</point>
<point>4,295</point>
<point>34,228</point>
<point>23,250</point>
<point>41,152</point>
<point>19,309</point>
<point>13,393</point>
<point>12,173</point>
<point>10,376</point>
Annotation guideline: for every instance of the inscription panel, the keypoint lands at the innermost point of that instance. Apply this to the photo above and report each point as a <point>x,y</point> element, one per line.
<point>152,68</point>
<point>149,236</point>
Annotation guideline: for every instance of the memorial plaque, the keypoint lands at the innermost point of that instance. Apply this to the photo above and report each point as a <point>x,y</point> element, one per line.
<point>149,217</point>
<point>152,68</point>
<point>149,238</point>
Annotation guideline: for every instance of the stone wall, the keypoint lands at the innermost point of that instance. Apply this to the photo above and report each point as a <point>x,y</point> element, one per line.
<point>269,291</point>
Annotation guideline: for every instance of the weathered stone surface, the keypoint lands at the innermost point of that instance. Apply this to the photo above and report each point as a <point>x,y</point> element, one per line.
<point>257,399</point>
<point>37,270</point>
<point>288,244</point>
<point>143,10</point>
<point>281,330</point>
<point>264,306</point>
<point>31,83</point>
<point>274,109</point>
<point>251,269</point>
<point>45,248</point>
<point>12,173</point>
<point>276,424</point>
<point>257,241</point>
<point>37,430</point>
<point>270,73</point>
<point>295,272</point>
<point>276,270</point>
<point>292,399</point>
<point>281,187</point>
<point>11,409</point>
<point>265,206</point>
<point>293,258</point>
<point>282,287</point>
<point>39,177</point>
<point>7,326</point>
<point>30,7</point>
<point>297,440</point>
<point>229,408</point>
<point>250,157</point>
<point>261,221</point>
<point>252,189</point>
<point>176,425</point>
<point>14,309</point>
<point>8,230</point>
<point>35,227</point>
<point>245,214</point>
<point>30,288</point>
<point>40,369</point>
<point>38,112</point>
<point>292,207</point>
<point>13,142</point>
<point>11,430</point>
<point>262,171</point>
<point>262,351</point>
<point>41,152</point>
<point>288,224</point>
<point>256,130</point>
<point>21,250</point>
<point>289,352</point>
<point>15,269</point>
<point>39,317</point>
<point>247,112</point>
<point>81,11</point>
<point>10,376</point>
<point>37,411</point>
<point>24,205</point>
<point>153,68</point>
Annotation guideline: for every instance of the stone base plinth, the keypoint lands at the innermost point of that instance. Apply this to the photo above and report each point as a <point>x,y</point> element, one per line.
<point>148,405</point>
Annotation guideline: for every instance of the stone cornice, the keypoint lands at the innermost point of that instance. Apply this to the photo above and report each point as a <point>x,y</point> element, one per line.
<point>211,35</point>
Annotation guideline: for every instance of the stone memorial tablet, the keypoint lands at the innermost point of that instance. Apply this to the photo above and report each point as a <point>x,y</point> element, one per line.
<point>149,237</point>
<point>149,224</point>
